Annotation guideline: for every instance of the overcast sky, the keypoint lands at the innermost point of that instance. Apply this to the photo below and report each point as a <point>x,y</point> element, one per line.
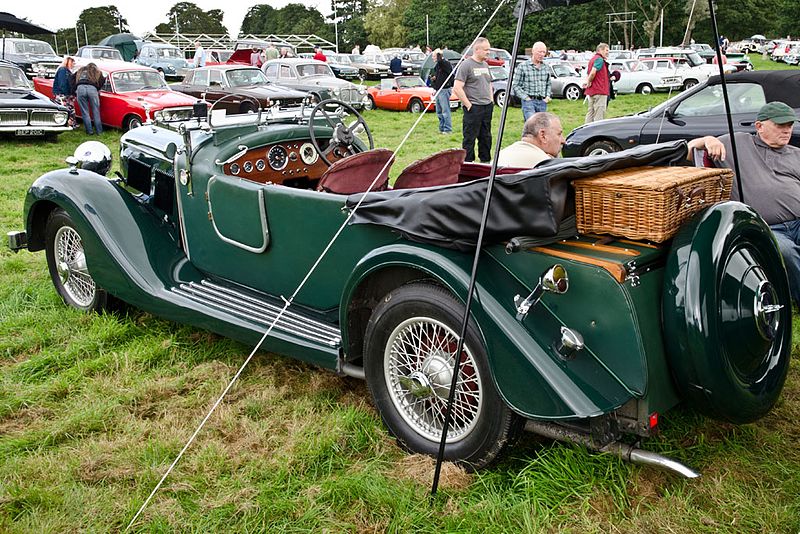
<point>142,15</point>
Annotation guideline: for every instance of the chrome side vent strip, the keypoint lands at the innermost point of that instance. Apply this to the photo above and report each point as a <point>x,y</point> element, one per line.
<point>249,306</point>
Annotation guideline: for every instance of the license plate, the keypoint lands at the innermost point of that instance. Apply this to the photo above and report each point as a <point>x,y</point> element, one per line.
<point>671,80</point>
<point>453,105</point>
<point>25,132</point>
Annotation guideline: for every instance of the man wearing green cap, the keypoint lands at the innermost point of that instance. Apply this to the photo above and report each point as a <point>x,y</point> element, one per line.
<point>770,167</point>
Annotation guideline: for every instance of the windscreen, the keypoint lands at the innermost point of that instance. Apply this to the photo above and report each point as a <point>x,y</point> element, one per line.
<point>33,47</point>
<point>242,77</point>
<point>138,80</point>
<point>13,78</point>
<point>405,83</point>
<point>312,69</point>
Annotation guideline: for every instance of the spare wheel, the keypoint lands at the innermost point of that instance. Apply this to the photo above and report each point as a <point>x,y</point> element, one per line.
<point>727,314</point>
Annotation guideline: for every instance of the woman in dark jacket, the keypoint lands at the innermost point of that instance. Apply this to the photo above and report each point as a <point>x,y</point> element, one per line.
<point>88,81</point>
<point>64,88</point>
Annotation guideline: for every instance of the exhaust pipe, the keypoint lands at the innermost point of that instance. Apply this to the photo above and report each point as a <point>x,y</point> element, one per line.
<point>621,450</point>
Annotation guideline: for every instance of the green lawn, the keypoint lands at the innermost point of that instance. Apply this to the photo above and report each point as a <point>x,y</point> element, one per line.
<point>93,408</point>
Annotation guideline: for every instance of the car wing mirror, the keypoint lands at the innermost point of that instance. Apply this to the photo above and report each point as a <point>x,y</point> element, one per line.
<point>553,280</point>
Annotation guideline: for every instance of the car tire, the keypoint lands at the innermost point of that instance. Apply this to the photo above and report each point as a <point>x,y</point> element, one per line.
<point>131,122</point>
<point>603,146</point>
<point>572,92</point>
<point>500,98</point>
<point>729,339</point>
<point>369,104</point>
<point>66,262</point>
<point>362,73</point>
<point>688,84</point>
<point>416,106</point>
<point>409,379</point>
<point>644,89</point>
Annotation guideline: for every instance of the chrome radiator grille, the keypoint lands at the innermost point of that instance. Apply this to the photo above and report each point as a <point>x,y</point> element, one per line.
<point>13,117</point>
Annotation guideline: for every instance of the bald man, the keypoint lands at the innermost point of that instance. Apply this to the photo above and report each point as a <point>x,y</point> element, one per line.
<point>531,83</point>
<point>542,138</point>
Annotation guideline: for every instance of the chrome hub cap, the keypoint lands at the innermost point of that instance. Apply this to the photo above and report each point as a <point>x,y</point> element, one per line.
<point>71,266</point>
<point>418,369</point>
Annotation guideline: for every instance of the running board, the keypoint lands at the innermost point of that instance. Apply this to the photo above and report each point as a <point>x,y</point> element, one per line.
<point>260,310</point>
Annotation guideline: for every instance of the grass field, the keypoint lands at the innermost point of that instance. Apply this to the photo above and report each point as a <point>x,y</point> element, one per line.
<point>93,408</point>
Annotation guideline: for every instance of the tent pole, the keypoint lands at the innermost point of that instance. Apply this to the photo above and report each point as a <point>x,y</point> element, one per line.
<point>476,258</point>
<point>725,98</point>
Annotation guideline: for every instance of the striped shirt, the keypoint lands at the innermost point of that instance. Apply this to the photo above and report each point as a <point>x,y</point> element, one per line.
<point>531,81</point>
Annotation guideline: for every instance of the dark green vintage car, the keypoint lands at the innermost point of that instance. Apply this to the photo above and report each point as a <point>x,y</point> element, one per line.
<point>221,223</point>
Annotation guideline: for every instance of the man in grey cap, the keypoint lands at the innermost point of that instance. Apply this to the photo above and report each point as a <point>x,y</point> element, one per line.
<point>770,169</point>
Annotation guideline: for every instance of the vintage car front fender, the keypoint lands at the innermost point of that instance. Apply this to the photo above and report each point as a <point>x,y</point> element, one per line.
<point>129,249</point>
<point>543,387</point>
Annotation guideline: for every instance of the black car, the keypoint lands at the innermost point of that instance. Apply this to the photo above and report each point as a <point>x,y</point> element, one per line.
<point>215,82</point>
<point>25,112</point>
<point>694,113</point>
<point>35,58</point>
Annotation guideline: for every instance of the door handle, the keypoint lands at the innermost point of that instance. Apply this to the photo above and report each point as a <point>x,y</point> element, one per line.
<point>746,123</point>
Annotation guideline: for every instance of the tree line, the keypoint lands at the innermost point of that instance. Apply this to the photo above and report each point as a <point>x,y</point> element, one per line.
<point>453,23</point>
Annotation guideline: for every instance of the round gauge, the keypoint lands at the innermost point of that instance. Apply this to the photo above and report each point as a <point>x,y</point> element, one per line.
<point>277,157</point>
<point>248,166</point>
<point>308,154</point>
<point>235,169</point>
<point>260,165</point>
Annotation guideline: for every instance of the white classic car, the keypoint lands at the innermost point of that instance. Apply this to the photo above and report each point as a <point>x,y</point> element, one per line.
<point>636,77</point>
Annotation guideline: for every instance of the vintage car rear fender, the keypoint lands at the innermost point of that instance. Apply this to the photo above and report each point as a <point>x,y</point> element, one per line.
<point>729,336</point>
<point>134,255</point>
<point>533,381</point>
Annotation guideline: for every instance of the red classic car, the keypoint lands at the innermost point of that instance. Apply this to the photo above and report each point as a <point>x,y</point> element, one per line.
<point>130,92</point>
<point>404,93</point>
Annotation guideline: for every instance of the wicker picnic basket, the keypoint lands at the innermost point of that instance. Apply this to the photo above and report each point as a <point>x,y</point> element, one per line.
<point>647,202</point>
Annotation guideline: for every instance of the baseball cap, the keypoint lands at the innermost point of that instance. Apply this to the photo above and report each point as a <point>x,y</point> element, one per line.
<point>777,112</point>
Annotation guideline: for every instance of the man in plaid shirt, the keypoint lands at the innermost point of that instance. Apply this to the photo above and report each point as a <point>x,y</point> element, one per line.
<point>531,82</point>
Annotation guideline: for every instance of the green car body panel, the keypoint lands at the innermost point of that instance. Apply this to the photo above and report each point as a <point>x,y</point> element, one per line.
<point>199,225</point>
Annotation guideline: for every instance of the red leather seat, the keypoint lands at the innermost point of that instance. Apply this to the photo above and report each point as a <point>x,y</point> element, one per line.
<point>355,173</point>
<point>439,169</point>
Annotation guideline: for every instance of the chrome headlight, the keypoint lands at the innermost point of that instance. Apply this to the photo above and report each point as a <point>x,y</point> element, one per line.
<point>92,156</point>
<point>165,115</point>
<point>336,92</point>
<point>169,68</point>
<point>60,117</point>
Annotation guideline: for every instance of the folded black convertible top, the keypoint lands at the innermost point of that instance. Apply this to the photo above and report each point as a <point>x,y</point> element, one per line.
<point>529,203</point>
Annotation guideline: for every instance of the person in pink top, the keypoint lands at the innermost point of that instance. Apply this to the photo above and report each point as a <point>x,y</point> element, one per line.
<point>597,86</point>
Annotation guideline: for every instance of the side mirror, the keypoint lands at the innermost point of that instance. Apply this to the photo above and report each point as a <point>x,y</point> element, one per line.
<point>553,280</point>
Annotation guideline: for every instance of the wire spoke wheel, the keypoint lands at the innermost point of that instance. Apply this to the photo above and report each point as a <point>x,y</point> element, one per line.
<point>71,264</point>
<point>418,369</point>
<point>410,346</point>
<point>66,261</point>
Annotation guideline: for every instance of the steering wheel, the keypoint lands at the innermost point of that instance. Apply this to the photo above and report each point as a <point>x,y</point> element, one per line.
<point>342,142</point>
<point>254,106</point>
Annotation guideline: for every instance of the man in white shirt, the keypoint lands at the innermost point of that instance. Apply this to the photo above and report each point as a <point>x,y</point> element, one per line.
<point>199,55</point>
<point>542,138</point>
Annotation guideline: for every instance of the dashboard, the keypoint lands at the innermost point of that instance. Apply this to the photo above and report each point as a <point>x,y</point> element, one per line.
<point>294,163</point>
